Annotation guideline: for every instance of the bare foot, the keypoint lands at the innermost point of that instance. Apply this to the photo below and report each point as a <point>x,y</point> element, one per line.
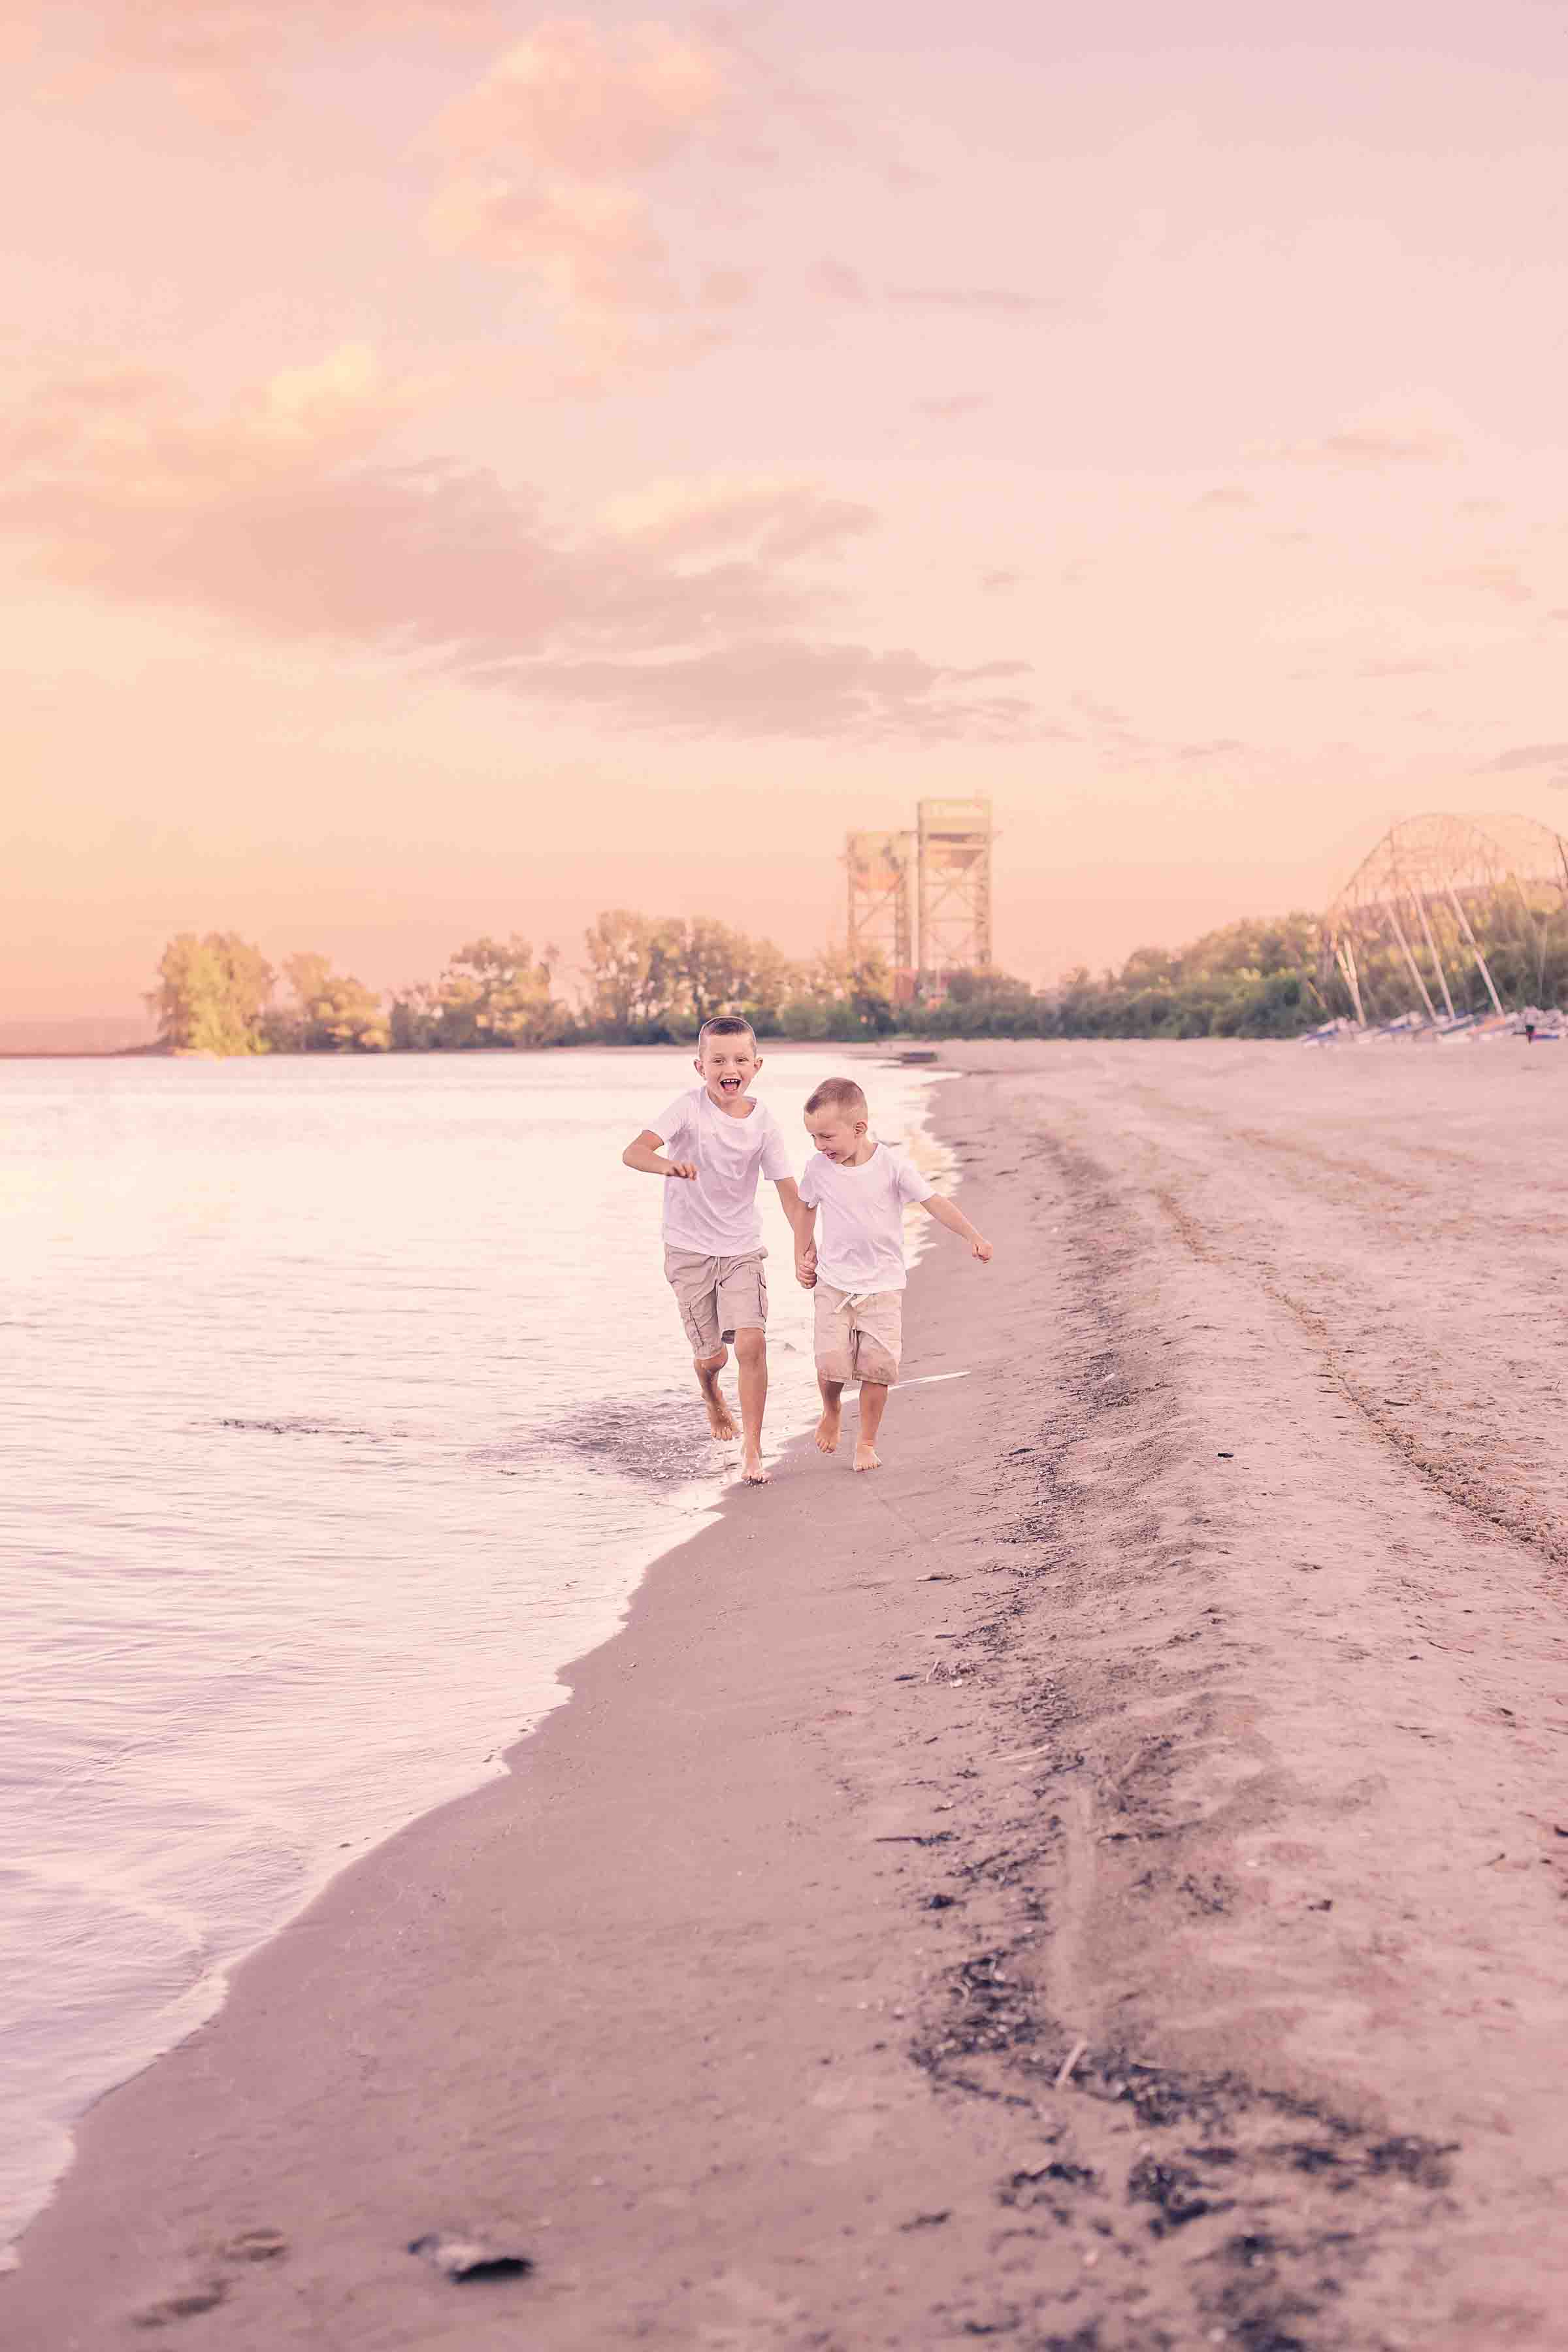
<point>866,1456</point>
<point>751,1469</point>
<point>828,1429</point>
<point>719,1417</point>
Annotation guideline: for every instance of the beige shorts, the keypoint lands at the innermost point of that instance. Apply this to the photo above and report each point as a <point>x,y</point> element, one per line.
<point>858,1338</point>
<point>718,1295</point>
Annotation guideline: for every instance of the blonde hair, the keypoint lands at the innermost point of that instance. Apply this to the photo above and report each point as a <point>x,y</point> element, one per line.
<point>837,1094</point>
<point>725,1024</point>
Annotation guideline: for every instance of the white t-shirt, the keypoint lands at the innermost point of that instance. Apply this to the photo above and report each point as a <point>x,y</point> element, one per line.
<point>716,1214</point>
<point>860,1240</point>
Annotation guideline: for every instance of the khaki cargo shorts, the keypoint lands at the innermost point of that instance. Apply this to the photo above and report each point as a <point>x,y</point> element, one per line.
<point>859,1336</point>
<point>718,1295</point>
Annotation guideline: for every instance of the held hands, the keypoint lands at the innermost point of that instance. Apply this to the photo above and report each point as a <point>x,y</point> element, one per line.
<point>806,1267</point>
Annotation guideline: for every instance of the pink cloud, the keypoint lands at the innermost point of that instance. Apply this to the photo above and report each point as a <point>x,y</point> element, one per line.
<point>183,36</point>
<point>541,170</point>
<point>679,609</point>
<point>1497,578</point>
<point>590,245</point>
<point>779,517</point>
<point>1402,668</point>
<point>1228,494</point>
<point>1527,755</point>
<point>984,301</point>
<point>570,100</point>
<point>727,289</point>
<point>951,405</point>
<point>841,281</point>
<point>1373,446</point>
<point>787,686</point>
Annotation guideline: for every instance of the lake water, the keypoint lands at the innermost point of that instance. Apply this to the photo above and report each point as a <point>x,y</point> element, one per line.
<point>343,1403</point>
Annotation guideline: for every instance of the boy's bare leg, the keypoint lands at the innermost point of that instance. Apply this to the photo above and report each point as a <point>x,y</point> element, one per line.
<point>873,1398</point>
<point>708,1370</point>
<point>752,1356</point>
<point>832,1414</point>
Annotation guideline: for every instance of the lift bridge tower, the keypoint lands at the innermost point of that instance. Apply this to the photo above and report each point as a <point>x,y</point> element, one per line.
<point>881,910</point>
<point>953,856</point>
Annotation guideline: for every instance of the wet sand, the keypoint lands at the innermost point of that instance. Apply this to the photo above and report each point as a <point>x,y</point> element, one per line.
<point>1099,1883</point>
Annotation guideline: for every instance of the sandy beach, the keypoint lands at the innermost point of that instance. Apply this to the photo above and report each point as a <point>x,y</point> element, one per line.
<point>1099,1883</point>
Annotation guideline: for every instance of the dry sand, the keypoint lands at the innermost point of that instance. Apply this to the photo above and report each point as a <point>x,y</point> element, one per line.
<point>1097,1884</point>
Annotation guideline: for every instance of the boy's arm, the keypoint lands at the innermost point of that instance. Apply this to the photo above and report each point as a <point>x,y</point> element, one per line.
<point>804,1223</point>
<point>646,1154</point>
<point>957,1222</point>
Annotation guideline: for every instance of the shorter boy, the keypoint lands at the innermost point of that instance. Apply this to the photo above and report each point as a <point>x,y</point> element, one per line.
<point>711,1145</point>
<point>861,1187</point>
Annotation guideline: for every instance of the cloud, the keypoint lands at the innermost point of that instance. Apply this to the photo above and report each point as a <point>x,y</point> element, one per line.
<point>1497,578</point>
<point>590,245</point>
<point>984,301</point>
<point>542,166</point>
<point>775,686</point>
<point>727,289</point>
<point>1222,747</point>
<point>221,57</point>
<point>1228,494</point>
<point>682,608</point>
<point>1372,445</point>
<point>844,284</point>
<point>778,517</point>
<point>1526,755</point>
<point>570,100</point>
<point>1104,714</point>
<point>1401,670</point>
<point>951,405</point>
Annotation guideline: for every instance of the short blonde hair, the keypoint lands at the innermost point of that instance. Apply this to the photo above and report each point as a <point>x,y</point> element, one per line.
<point>837,1094</point>
<point>725,1024</point>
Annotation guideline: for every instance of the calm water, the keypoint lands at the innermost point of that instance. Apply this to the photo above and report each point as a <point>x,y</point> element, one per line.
<point>343,1404</point>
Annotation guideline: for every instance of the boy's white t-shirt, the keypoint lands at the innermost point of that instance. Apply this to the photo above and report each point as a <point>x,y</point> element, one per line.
<point>716,1214</point>
<point>861,1243</point>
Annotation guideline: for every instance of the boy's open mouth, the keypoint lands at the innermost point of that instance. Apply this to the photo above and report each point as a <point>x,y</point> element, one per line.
<point>730,1086</point>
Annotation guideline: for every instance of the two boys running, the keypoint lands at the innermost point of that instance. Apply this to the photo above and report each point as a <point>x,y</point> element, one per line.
<point>713,1145</point>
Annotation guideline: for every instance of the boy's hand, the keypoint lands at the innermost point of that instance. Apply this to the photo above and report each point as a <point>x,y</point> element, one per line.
<point>805,1268</point>
<point>981,1250</point>
<point>683,1168</point>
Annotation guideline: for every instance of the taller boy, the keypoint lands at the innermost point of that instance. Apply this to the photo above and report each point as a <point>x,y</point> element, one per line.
<point>712,1144</point>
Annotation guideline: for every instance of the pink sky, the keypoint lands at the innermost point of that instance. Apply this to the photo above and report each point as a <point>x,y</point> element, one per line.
<point>467,465</point>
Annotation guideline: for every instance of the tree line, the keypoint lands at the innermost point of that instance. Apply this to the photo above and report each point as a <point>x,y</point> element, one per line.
<point>655,980</point>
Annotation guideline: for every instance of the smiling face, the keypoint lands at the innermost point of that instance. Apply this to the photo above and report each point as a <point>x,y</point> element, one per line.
<point>727,1064</point>
<point>839,1133</point>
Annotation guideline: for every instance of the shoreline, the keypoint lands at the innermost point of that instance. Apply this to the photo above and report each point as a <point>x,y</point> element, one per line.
<point>147,2034</point>
<point>1031,1891</point>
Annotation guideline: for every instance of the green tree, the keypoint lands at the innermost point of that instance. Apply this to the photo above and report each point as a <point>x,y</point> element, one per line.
<point>713,963</point>
<point>496,992</point>
<point>212,994</point>
<point>414,1018</point>
<point>333,1012</point>
<point>636,974</point>
<point>619,949</point>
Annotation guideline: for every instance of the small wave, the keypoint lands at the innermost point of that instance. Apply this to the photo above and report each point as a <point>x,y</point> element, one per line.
<point>291,1427</point>
<point>658,1441</point>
